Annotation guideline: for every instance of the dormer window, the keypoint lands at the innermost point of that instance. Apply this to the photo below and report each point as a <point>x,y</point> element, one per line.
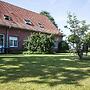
<point>28,22</point>
<point>40,25</point>
<point>6,17</point>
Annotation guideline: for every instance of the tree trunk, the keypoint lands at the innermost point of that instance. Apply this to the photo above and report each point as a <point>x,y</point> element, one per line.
<point>80,54</point>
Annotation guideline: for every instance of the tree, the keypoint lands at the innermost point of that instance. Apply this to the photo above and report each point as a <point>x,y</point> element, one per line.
<point>87,38</point>
<point>38,42</point>
<point>63,46</point>
<point>47,14</point>
<point>86,42</point>
<point>78,31</point>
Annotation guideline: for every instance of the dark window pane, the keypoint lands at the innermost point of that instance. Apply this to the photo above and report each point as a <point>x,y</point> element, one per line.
<point>1,40</point>
<point>11,42</point>
<point>15,43</point>
<point>7,17</point>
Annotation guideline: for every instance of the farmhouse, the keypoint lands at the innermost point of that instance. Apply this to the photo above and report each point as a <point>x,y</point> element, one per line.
<point>17,23</point>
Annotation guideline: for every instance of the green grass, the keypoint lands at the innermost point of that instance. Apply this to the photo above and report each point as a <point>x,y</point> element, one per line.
<point>64,72</point>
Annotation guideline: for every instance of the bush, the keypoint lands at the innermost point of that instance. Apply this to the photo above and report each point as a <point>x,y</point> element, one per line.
<point>63,47</point>
<point>38,42</point>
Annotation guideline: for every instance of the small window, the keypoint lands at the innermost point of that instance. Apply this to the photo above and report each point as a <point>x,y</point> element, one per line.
<point>6,17</point>
<point>40,25</point>
<point>28,22</point>
<point>13,41</point>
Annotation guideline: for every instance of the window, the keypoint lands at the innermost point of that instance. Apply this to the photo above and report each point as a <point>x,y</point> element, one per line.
<point>6,17</point>
<point>40,25</point>
<point>55,44</point>
<point>28,22</point>
<point>13,41</point>
<point>1,41</point>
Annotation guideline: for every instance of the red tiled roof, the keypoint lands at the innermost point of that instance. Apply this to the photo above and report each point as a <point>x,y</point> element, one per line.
<point>19,14</point>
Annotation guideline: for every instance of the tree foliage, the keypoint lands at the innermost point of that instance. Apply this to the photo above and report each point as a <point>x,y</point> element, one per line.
<point>78,31</point>
<point>63,46</point>
<point>38,42</point>
<point>87,38</point>
<point>47,14</point>
<point>73,38</point>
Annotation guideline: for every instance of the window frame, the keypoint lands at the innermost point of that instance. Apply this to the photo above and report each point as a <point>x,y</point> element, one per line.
<point>40,25</point>
<point>28,21</point>
<point>7,17</point>
<point>13,38</point>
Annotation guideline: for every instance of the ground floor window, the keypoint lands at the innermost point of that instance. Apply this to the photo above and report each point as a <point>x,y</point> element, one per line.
<point>13,41</point>
<point>55,44</point>
<point>1,40</point>
<point>1,43</point>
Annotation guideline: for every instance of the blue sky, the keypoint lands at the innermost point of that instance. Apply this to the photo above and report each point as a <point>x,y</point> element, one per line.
<point>58,9</point>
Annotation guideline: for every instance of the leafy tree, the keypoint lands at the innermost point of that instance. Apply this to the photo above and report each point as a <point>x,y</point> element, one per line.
<point>47,14</point>
<point>86,42</point>
<point>78,31</point>
<point>38,42</point>
<point>63,46</point>
<point>87,38</point>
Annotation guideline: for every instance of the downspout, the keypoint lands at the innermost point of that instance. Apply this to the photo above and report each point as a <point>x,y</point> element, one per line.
<point>7,41</point>
<point>6,46</point>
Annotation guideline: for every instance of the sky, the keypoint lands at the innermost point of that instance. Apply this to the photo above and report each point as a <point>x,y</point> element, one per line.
<point>58,9</point>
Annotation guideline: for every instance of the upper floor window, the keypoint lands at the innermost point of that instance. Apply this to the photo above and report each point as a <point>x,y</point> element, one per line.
<point>40,25</point>
<point>27,21</point>
<point>6,17</point>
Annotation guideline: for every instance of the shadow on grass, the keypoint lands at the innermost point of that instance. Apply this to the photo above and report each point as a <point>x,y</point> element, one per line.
<point>49,70</point>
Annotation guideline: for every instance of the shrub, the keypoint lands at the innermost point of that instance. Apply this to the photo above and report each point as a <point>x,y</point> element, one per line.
<point>38,42</point>
<point>63,46</point>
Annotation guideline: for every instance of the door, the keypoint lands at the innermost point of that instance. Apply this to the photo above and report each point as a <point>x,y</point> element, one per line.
<point>1,43</point>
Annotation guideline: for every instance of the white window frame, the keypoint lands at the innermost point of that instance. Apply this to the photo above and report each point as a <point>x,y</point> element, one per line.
<point>28,21</point>
<point>13,38</point>
<point>7,17</point>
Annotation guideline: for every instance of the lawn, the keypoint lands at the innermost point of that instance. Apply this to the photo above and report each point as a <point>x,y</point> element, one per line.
<point>60,72</point>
